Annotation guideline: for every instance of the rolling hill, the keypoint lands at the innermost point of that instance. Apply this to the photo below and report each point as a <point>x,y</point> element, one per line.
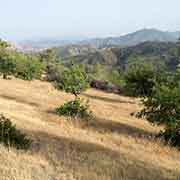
<point>163,52</point>
<point>113,145</point>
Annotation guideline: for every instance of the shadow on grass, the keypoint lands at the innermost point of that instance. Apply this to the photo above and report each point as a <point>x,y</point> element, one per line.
<point>104,125</point>
<point>92,161</point>
<point>109,126</point>
<point>19,100</point>
<point>106,99</point>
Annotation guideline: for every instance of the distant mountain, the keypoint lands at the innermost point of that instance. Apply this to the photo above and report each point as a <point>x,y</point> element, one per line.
<point>125,40</point>
<point>135,38</point>
<point>43,43</point>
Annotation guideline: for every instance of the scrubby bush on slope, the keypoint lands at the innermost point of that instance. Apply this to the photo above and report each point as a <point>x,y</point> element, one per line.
<point>74,81</point>
<point>74,108</point>
<point>10,136</point>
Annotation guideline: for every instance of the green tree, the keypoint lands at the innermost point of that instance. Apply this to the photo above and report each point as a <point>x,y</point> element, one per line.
<point>7,65</point>
<point>162,107</point>
<point>139,80</point>
<point>75,80</point>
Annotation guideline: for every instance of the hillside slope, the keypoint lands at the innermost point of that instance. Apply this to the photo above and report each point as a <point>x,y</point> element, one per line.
<point>112,146</point>
<point>119,57</point>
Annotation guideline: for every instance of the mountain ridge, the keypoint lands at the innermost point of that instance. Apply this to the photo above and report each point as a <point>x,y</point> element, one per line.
<point>135,38</point>
<point>129,39</point>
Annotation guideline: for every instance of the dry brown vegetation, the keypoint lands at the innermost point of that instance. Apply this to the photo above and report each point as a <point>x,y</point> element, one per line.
<point>111,146</point>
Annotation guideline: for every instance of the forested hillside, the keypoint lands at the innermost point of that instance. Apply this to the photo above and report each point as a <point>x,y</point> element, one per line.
<point>160,52</point>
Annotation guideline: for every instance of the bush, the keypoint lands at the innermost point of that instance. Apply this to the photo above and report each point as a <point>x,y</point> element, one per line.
<point>162,107</point>
<point>139,80</point>
<point>171,136</point>
<point>74,108</point>
<point>10,136</point>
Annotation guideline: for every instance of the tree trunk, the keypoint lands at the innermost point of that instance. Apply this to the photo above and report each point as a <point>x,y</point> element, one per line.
<point>4,76</point>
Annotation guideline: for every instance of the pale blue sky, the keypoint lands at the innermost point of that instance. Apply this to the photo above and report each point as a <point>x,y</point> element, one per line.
<point>23,19</point>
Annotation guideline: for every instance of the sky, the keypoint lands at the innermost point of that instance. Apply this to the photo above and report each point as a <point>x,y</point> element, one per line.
<point>65,19</point>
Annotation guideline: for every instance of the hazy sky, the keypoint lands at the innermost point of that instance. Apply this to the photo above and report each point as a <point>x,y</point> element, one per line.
<point>23,19</point>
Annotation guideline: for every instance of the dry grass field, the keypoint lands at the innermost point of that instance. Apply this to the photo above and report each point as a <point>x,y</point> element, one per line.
<point>111,146</point>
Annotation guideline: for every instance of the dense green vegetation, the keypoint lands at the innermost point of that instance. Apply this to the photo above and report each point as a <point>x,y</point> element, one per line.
<point>12,137</point>
<point>74,108</point>
<point>160,96</point>
<point>110,65</point>
<point>27,67</point>
<point>74,80</point>
<point>119,57</point>
<point>142,76</point>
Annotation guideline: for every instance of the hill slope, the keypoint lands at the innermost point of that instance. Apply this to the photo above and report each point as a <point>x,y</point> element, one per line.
<point>118,56</point>
<point>137,37</point>
<point>112,146</point>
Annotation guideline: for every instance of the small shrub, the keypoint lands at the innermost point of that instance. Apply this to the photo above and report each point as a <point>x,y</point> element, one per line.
<point>171,136</point>
<point>10,136</point>
<point>75,108</point>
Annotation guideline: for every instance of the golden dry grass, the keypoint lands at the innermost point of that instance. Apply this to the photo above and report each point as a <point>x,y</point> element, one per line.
<point>112,146</point>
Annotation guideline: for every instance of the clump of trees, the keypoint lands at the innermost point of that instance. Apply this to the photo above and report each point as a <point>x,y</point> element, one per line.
<point>162,107</point>
<point>27,67</point>
<point>160,95</point>
<point>74,81</point>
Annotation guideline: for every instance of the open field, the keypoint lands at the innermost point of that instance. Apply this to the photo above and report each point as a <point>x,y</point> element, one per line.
<point>111,146</point>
